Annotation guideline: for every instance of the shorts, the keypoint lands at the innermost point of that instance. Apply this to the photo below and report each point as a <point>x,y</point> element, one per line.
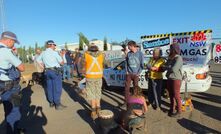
<point>93,88</point>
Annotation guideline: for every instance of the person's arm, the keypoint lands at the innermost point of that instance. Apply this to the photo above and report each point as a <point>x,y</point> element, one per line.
<point>59,59</point>
<point>14,60</point>
<point>145,105</point>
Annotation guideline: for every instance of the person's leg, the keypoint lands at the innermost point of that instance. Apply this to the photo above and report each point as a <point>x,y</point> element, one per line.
<point>57,89</point>
<point>127,87</point>
<point>171,94</point>
<point>159,90</point>
<point>177,84</point>
<point>98,94</point>
<point>49,86</point>
<point>150,94</point>
<point>155,93</point>
<point>64,71</point>
<point>68,72</point>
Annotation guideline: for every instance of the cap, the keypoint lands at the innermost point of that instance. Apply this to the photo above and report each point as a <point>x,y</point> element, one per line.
<point>10,35</point>
<point>50,42</point>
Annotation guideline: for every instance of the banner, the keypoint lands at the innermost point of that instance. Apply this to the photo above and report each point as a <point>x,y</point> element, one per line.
<point>195,46</point>
<point>217,51</point>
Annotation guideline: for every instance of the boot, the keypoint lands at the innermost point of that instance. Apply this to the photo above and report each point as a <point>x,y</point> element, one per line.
<point>98,109</point>
<point>93,113</point>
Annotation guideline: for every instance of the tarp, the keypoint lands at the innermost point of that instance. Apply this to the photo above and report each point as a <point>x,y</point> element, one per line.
<point>195,46</point>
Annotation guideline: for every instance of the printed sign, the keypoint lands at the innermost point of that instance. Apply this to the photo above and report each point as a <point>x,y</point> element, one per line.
<point>111,55</point>
<point>195,46</point>
<point>217,52</point>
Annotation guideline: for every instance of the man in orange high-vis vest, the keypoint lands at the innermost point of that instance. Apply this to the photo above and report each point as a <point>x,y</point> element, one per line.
<point>92,63</point>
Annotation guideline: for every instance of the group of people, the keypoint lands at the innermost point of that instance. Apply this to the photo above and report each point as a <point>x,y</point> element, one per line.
<point>155,66</point>
<point>57,66</point>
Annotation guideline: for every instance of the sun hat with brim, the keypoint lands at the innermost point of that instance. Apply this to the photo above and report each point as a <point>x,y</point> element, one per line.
<point>10,35</point>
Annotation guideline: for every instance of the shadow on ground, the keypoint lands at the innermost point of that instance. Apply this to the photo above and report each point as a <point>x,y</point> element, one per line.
<point>196,127</point>
<point>72,89</point>
<point>31,120</point>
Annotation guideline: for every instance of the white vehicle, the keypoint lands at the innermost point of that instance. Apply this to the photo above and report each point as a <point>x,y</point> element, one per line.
<point>195,50</point>
<point>198,78</point>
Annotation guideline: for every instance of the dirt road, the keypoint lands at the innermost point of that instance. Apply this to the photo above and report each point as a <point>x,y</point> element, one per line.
<point>39,118</point>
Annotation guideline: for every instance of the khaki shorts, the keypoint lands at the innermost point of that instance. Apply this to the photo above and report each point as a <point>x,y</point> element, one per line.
<point>93,88</point>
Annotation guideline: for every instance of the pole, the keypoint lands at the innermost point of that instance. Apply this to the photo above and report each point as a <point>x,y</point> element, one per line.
<point>2,15</point>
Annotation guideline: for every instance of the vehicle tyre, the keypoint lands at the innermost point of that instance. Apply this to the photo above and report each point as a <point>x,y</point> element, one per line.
<point>104,84</point>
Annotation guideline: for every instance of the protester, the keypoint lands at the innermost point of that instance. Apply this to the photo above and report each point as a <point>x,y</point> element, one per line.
<point>67,64</point>
<point>174,78</point>
<point>134,66</point>
<point>53,73</point>
<point>10,67</point>
<point>155,78</point>
<point>77,61</point>
<point>92,63</point>
<point>39,67</point>
<point>136,109</point>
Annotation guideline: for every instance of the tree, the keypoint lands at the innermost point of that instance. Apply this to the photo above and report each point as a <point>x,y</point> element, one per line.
<point>82,40</point>
<point>66,45</point>
<point>36,46</point>
<point>105,44</point>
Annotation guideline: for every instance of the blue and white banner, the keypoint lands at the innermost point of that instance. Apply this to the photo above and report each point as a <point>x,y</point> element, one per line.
<point>195,47</point>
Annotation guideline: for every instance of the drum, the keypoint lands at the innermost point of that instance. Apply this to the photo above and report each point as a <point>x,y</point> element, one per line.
<point>106,118</point>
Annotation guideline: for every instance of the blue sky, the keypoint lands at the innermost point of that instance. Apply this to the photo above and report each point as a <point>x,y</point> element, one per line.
<point>61,20</point>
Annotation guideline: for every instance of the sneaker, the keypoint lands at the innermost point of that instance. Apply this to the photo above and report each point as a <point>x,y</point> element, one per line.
<point>175,115</point>
<point>51,105</point>
<point>60,107</point>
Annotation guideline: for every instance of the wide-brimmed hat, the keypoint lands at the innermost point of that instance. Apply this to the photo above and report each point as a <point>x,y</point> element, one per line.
<point>10,35</point>
<point>93,48</point>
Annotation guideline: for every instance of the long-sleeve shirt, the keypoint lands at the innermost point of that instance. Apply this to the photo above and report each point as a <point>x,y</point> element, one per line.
<point>134,62</point>
<point>174,68</point>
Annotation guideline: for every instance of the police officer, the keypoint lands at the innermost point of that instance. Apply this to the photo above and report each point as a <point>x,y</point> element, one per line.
<point>10,67</point>
<point>52,62</point>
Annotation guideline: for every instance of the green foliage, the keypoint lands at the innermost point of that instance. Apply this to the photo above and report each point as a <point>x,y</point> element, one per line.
<point>82,40</point>
<point>66,46</point>
<point>105,44</point>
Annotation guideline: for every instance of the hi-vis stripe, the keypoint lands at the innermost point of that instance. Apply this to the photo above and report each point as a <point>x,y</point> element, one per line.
<point>174,34</point>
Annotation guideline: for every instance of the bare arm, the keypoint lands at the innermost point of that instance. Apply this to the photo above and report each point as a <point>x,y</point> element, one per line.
<point>21,67</point>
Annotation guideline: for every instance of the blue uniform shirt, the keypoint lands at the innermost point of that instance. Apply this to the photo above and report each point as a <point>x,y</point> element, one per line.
<point>7,59</point>
<point>50,58</point>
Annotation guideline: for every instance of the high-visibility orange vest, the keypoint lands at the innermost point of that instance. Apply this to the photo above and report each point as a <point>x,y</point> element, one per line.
<point>94,66</point>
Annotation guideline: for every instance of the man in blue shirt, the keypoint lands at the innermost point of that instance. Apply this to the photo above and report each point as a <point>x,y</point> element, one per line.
<point>134,66</point>
<point>9,83</point>
<point>52,62</point>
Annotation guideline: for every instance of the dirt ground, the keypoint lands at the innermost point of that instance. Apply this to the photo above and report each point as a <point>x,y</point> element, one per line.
<point>39,118</point>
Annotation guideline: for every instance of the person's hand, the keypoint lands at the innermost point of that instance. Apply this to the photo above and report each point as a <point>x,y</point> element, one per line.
<point>154,68</point>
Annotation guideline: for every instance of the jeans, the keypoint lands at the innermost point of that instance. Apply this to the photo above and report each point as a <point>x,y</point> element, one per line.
<point>67,71</point>
<point>129,78</point>
<point>77,70</point>
<point>54,86</point>
<point>154,92</point>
